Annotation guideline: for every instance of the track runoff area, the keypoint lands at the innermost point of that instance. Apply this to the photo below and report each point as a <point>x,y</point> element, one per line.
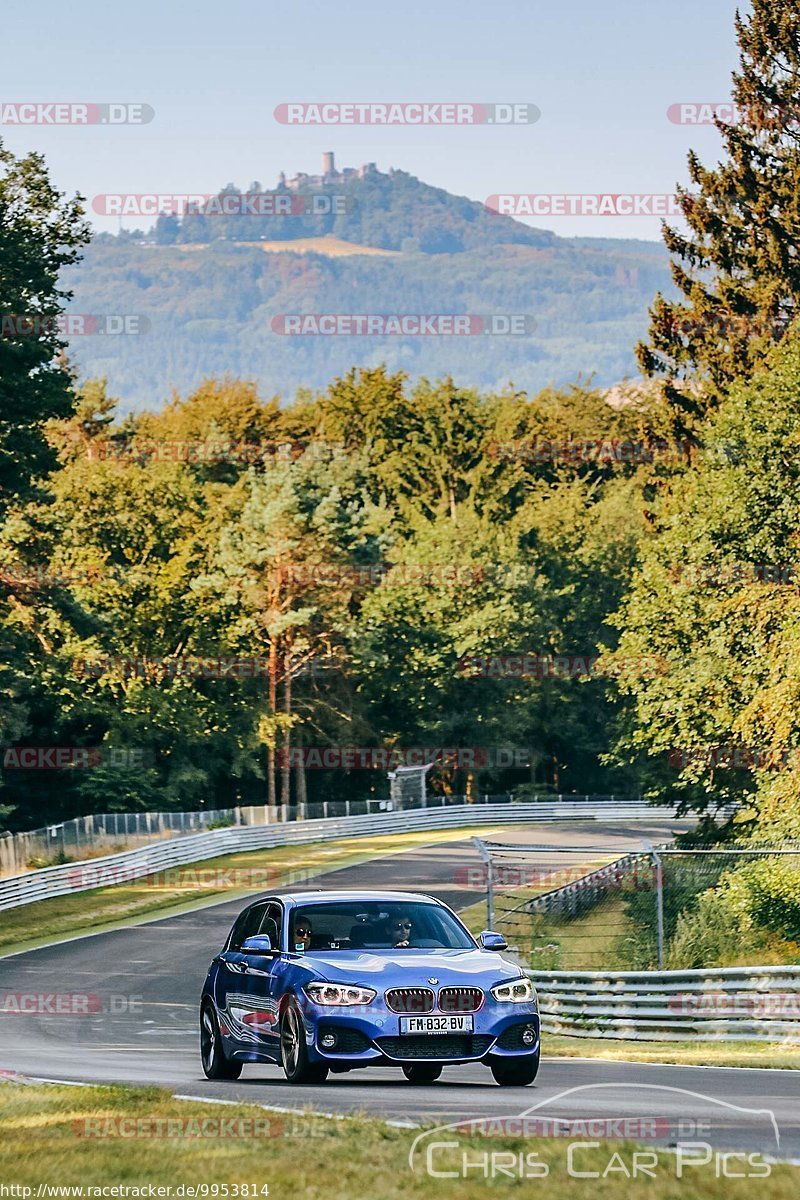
<point>123,1007</point>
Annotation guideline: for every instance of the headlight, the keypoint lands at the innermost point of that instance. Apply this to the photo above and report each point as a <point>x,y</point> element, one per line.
<point>339,993</point>
<point>517,991</point>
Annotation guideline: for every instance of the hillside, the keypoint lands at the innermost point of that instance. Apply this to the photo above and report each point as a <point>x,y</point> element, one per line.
<point>209,304</point>
<point>388,210</point>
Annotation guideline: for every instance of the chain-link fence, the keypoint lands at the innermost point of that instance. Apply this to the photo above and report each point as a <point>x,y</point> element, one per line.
<point>107,833</point>
<point>102,833</point>
<point>594,908</point>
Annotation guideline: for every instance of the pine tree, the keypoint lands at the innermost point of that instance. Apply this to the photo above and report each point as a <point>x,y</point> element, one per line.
<point>40,233</point>
<point>737,268</point>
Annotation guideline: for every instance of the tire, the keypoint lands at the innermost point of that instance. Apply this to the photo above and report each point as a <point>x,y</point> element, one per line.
<point>515,1072</point>
<point>216,1064</point>
<point>294,1052</point>
<point>422,1072</point>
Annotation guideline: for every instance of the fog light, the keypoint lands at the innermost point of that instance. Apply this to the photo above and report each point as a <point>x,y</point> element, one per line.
<point>328,1041</point>
<point>528,1036</point>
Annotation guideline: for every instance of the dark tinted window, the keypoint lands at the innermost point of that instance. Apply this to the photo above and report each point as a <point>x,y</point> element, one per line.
<point>271,924</point>
<point>247,925</point>
<point>376,926</point>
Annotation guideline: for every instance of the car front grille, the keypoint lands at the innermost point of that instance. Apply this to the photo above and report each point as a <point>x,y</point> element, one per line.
<point>460,999</point>
<point>410,1000</point>
<point>457,1045</point>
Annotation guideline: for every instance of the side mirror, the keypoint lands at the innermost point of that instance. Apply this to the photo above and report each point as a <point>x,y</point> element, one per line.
<point>257,945</point>
<point>492,941</point>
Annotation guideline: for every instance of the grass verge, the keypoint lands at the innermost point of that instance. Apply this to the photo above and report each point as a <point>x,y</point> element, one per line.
<point>95,1137</point>
<point>547,943</point>
<point>194,884</point>
<point>687,1054</point>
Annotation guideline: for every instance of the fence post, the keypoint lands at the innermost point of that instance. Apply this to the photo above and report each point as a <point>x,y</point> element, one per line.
<point>487,861</point>
<point>659,878</point>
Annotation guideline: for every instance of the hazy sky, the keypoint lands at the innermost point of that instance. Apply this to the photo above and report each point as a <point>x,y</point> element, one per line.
<point>603,75</point>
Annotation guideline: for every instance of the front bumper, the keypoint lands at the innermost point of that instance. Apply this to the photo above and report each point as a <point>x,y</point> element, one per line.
<point>365,1037</point>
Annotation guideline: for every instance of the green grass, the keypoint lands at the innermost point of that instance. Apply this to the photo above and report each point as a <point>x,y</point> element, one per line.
<point>688,1053</point>
<point>94,1137</point>
<point>130,903</point>
<point>586,943</point>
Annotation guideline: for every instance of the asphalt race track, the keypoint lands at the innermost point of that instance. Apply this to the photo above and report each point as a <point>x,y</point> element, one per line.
<point>143,984</point>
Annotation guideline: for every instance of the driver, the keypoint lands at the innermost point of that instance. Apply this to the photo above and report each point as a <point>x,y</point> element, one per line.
<point>400,932</point>
<point>301,939</point>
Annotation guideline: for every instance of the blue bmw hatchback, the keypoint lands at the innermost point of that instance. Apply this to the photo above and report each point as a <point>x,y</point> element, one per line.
<point>333,981</point>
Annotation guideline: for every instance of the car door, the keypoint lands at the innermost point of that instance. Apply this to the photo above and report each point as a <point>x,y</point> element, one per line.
<point>237,991</point>
<point>264,975</point>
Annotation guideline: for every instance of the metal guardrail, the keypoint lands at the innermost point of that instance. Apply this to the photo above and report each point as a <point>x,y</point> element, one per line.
<point>759,1004</point>
<point>572,898</point>
<point>109,833</point>
<point>48,882</point>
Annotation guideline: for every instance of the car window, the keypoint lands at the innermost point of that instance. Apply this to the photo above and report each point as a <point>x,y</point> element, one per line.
<point>248,924</point>
<point>375,925</point>
<point>272,924</point>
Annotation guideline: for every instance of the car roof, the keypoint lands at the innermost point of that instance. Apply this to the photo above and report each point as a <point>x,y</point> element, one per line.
<point>362,896</point>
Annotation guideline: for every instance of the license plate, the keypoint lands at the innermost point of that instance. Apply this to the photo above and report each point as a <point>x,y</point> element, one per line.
<point>451,1024</point>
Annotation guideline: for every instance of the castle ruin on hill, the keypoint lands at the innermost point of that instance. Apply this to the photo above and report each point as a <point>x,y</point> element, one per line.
<point>329,174</point>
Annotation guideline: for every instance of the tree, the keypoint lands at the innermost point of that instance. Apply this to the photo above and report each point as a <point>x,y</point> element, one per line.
<point>282,575</point>
<point>737,267</point>
<point>715,598</point>
<point>40,233</point>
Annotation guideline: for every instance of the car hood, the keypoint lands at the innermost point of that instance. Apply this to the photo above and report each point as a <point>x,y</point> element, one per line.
<point>412,968</point>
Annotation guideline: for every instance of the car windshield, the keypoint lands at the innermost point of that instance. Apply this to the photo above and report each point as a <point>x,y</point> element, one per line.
<point>376,926</point>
